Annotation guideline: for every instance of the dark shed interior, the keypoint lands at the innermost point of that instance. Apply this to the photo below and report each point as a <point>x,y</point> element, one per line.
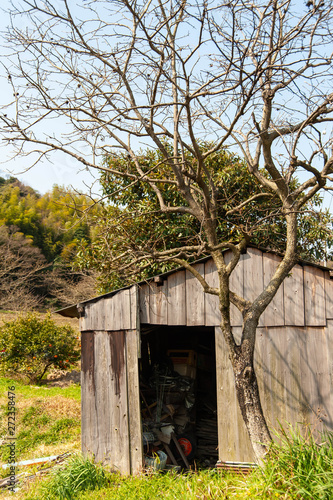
<point>178,393</point>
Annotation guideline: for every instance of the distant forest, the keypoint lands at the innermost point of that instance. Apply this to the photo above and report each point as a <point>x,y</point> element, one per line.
<point>40,236</point>
<point>62,247</point>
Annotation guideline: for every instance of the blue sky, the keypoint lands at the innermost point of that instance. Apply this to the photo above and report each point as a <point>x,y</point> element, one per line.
<point>63,170</point>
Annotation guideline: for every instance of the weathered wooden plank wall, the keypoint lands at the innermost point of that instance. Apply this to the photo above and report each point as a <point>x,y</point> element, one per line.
<point>294,355</point>
<point>314,296</point>
<point>274,314</point>
<point>118,312</point>
<point>295,376</point>
<point>234,443</point>
<point>301,299</point>
<point>195,298</point>
<point>176,310</point>
<point>88,387</point>
<point>111,417</point>
<point>212,312</point>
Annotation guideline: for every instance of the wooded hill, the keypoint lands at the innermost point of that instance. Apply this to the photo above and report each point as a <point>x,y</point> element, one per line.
<point>39,238</point>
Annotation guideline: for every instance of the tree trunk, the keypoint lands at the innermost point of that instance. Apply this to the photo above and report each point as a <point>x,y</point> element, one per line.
<point>247,391</point>
<point>249,402</point>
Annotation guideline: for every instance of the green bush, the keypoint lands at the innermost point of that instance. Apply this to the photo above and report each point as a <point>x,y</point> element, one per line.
<point>29,346</point>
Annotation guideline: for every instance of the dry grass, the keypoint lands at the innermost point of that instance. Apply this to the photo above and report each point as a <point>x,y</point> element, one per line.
<point>59,320</point>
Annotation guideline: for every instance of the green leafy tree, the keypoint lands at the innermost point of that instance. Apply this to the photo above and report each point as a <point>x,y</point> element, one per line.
<point>30,346</point>
<point>132,218</point>
<point>55,222</point>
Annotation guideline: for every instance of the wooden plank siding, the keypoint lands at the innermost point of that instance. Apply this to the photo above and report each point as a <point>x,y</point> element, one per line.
<point>88,409</point>
<point>177,298</point>
<point>314,296</point>
<point>294,298</point>
<point>329,296</point>
<point>110,397</point>
<point>158,303</point>
<point>212,311</point>
<point>111,417</point>
<point>294,368</point>
<point>236,286</point>
<point>133,392</point>
<point>234,443</point>
<point>293,356</point>
<point>195,298</point>
<point>302,299</point>
<point>274,313</point>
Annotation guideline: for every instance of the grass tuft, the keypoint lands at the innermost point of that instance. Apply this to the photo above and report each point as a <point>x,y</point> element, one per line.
<point>78,474</point>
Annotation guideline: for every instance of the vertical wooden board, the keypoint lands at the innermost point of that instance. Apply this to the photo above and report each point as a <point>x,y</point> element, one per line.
<point>267,369</point>
<point>329,295</point>
<point>234,443</point>
<point>262,365</point>
<point>237,286</point>
<point>295,382</point>
<point>110,313</point>
<point>88,408</point>
<point>177,298</point>
<point>122,308</point>
<point>274,313</point>
<point>103,402</point>
<point>144,303</point>
<point>294,298</point>
<point>329,350</point>
<point>118,411</point>
<point>86,319</point>
<point>253,274</point>
<point>82,323</point>
<point>323,372</point>
<point>134,303</point>
<point>311,369</point>
<point>306,379</point>
<point>272,376</point>
<point>212,312</point>
<point>195,298</point>
<point>97,315</point>
<point>158,303</point>
<point>135,426</point>
<point>226,411</point>
<point>314,296</point>
<point>289,391</point>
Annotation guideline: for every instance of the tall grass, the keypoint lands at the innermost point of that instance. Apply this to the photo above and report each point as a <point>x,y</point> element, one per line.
<point>297,467</point>
<point>79,474</point>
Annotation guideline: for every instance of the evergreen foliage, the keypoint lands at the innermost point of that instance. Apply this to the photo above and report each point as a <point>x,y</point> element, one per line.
<point>29,346</point>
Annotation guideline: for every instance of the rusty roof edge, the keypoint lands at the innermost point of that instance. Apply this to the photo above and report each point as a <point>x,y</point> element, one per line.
<point>72,310</point>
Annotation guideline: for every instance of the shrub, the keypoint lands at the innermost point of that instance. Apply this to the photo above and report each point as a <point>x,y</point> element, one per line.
<point>30,346</point>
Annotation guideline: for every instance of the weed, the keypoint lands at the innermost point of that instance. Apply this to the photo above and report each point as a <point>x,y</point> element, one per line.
<point>298,467</point>
<point>79,474</point>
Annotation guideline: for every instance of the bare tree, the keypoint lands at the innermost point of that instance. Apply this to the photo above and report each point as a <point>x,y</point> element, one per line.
<point>251,75</point>
<point>21,267</point>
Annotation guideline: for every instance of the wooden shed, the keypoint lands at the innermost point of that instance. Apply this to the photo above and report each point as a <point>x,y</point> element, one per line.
<point>168,320</point>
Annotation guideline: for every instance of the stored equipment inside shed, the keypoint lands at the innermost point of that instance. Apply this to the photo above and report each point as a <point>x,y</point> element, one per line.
<point>178,394</point>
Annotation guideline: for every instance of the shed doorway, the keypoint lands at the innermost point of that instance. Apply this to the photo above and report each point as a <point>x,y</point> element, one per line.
<point>178,394</point>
